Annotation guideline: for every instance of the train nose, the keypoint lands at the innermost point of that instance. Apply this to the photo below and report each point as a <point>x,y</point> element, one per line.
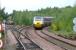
<point>38,23</point>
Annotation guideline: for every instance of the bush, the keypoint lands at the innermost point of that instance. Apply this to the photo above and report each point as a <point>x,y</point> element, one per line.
<point>68,35</point>
<point>54,27</point>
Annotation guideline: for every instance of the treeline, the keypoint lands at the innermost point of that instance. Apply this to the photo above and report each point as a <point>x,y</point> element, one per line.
<point>3,15</point>
<point>63,17</point>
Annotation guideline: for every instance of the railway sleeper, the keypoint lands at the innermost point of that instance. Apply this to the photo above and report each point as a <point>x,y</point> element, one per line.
<point>29,46</point>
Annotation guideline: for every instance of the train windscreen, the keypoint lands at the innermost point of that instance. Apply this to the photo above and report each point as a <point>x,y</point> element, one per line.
<point>38,18</point>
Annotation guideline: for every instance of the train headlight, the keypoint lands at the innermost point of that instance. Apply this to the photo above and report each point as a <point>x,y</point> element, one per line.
<point>39,22</point>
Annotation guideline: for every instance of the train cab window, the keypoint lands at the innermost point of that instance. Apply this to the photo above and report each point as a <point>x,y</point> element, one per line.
<point>38,18</point>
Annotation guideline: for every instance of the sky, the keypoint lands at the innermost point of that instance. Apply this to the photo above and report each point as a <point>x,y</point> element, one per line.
<point>11,5</point>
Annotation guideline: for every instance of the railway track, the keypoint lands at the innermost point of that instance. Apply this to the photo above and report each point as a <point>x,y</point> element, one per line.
<point>42,39</point>
<point>44,44</point>
<point>31,34</point>
<point>24,43</point>
<point>63,43</point>
<point>67,45</point>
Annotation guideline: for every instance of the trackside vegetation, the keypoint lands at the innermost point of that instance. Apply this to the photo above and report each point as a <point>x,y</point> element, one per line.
<point>3,15</point>
<point>62,23</point>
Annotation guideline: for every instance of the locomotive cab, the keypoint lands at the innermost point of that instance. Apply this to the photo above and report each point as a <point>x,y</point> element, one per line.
<point>38,22</point>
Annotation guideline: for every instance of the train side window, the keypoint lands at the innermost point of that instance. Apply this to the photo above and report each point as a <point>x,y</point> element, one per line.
<point>46,19</point>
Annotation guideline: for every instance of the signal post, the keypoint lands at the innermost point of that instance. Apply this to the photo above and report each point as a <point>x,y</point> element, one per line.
<point>1,36</point>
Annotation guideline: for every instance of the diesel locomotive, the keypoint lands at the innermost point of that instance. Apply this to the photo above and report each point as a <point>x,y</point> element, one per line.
<point>40,22</point>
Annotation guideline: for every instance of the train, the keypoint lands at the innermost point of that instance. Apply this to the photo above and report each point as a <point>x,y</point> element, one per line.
<point>40,22</point>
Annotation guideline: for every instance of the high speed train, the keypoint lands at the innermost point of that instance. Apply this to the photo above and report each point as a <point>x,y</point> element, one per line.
<point>40,22</point>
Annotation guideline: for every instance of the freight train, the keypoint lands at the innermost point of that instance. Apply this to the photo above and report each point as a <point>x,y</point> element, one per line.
<point>40,22</point>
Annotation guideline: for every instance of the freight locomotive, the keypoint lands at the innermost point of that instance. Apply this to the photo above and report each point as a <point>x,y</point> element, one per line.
<point>40,22</point>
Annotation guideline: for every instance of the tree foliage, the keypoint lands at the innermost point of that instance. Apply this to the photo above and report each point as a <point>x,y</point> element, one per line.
<point>63,17</point>
<point>3,15</point>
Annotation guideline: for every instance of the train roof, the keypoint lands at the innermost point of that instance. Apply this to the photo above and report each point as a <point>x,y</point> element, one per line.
<point>38,17</point>
<point>44,17</point>
<point>48,17</point>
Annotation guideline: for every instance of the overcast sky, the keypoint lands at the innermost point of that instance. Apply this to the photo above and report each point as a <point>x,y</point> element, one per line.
<point>33,4</point>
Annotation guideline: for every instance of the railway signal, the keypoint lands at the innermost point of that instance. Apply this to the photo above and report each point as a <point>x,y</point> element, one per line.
<point>74,27</point>
<point>74,20</point>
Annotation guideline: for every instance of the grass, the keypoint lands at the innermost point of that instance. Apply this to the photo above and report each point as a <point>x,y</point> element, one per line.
<point>68,35</point>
